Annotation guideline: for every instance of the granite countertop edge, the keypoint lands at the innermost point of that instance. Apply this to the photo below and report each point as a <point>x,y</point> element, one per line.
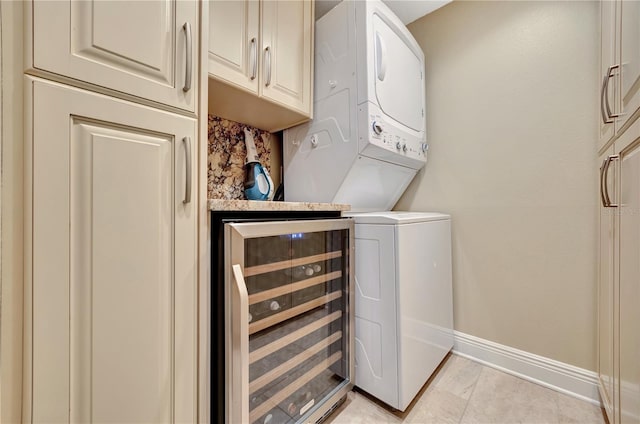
<point>254,205</point>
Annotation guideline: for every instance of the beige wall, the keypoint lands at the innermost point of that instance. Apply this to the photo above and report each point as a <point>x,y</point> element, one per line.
<point>511,122</point>
<point>11,215</point>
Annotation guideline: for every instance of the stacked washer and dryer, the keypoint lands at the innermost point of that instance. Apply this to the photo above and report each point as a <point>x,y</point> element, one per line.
<point>365,144</point>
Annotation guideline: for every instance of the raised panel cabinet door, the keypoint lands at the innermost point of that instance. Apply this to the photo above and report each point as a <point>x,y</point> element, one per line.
<point>629,230</point>
<point>606,289</point>
<point>608,72</point>
<point>286,56</point>
<point>143,48</point>
<point>114,260</point>
<point>629,60</point>
<point>234,47</point>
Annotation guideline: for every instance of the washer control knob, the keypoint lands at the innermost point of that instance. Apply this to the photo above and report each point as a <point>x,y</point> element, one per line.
<point>424,147</point>
<point>404,147</point>
<point>377,128</point>
<point>398,145</point>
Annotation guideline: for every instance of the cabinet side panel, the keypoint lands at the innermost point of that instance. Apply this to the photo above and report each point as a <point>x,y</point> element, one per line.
<point>50,161</point>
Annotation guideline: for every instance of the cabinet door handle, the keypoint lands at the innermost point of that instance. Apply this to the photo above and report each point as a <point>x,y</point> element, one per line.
<point>267,66</point>
<point>239,353</point>
<point>605,190</point>
<point>188,57</point>
<point>187,151</point>
<point>607,116</point>
<point>254,59</point>
<point>603,113</point>
<point>602,198</point>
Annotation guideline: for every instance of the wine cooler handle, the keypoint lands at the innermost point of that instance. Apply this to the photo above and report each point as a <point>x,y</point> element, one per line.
<point>239,348</point>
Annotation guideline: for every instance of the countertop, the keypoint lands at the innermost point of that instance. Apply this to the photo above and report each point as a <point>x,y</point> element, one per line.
<point>254,205</point>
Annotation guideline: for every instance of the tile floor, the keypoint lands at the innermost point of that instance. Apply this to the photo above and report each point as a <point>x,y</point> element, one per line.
<point>463,391</point>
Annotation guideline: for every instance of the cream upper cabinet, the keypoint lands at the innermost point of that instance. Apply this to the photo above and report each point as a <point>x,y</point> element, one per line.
<point>629,60</point>
<point>607,291</point>
<point>261,61</point>
<point>147,49</point>
<point>233,42</point>
<point>287,28</point>
<point>608,71</point>
<point>112,254</point>
<point>620,67</point>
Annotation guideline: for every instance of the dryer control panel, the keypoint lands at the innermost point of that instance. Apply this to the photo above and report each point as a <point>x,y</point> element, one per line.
<point>400,144</point>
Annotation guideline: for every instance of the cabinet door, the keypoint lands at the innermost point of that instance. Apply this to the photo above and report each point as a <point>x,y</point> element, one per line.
<point>287,40</point>
<point>630,59</point>
<point>608,84</point>
<point>629,233</point>
<point>136,47</point>
<point>606,290</point>
<point>233,42</point>
<point>113,259</point>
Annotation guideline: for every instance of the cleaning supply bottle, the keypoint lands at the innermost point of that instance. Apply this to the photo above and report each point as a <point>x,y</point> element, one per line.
<point>257,182</point>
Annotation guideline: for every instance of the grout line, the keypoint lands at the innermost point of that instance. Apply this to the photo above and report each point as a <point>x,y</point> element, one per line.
<point>473,390</point>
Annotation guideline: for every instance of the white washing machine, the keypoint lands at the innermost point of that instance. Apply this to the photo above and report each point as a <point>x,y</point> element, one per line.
<point>404,306</point>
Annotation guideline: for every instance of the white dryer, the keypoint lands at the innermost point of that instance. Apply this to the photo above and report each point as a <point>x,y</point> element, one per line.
<point>404,311</point>
<point>367,139</point>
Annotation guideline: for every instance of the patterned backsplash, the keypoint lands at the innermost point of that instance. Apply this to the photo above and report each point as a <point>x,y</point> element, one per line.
<point>227,153</point>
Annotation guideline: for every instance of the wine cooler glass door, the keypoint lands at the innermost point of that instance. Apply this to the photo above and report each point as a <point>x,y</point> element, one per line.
<point>289,318</point>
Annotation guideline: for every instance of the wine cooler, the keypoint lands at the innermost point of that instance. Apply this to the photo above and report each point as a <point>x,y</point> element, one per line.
<point>288,319</point>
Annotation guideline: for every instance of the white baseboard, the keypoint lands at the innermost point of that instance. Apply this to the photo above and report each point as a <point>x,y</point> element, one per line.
<point>555,375</point>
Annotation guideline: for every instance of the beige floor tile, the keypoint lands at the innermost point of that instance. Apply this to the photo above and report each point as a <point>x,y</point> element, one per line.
<point>438,407</point>
<point>464,391</point>
<point>572,410</point>
<point>503,398</point>
<point>361,410</point>
<point>457,376</point>
<point>492,398</point>
<point>533,404</point>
